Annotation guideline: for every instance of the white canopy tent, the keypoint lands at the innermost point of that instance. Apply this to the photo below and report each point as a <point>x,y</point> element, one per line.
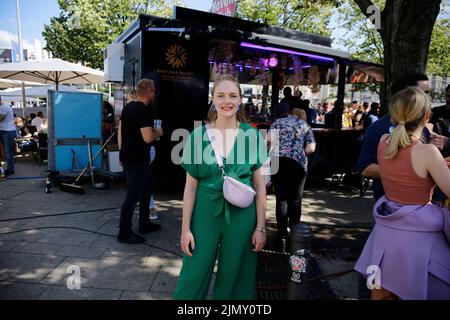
<point>33,95</point>
<point>50,71</point>
<point>5,83</point>
<point>36,92</point>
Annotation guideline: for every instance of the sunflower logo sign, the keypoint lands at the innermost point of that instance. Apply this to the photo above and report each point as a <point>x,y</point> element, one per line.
<point>176,56</point>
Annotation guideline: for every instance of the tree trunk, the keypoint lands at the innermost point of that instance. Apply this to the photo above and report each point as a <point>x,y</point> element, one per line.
<point>406,27</point>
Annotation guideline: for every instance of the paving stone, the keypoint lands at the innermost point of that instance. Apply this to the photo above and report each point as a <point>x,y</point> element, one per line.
<point>169,270</point>
<point>344,286</point>
<point>36,248</point>
<point>11,192</point>
<point>20,291</point>
<point>139,295</point>
<point>27,236</point>
<point>64,293</point>
<point>53,197</point>
<point>62,207</point>
<point>168,244</point>
<point>169,231</point>
<point>80,252</point>
<point>127,252</point>
<point>12,225</point>
<point>70,237</point>
<point>111,242</point>
<point>5,245</point>
<point>24,267</point>
<point>111,226</point>
<point>86,221</point>
<point>21,210</point>
<point>135,274</point>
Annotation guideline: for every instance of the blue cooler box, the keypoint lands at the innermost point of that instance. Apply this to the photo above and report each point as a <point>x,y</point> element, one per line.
<point>73,118</point>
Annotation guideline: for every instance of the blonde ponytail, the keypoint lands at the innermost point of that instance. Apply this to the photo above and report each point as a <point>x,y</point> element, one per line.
<point>409,109</point>
<point>399,138</point>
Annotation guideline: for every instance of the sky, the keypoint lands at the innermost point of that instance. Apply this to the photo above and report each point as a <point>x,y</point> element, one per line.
<point>35,13</point>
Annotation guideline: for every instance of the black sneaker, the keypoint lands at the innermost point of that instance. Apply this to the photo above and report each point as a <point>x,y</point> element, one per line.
<point>9,172</point>
<point>130,238</point>
<point>149,227</point>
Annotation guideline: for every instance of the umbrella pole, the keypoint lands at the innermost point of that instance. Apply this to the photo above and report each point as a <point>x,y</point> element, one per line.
<point>24,100</point>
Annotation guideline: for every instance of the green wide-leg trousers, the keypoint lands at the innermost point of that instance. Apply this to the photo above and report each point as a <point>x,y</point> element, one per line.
<point>232,245</point>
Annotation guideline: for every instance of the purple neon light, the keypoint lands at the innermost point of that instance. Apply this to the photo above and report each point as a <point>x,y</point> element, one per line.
<point>248,66</point>
<point>273,62</point>
<point>303,66</point>
<point>255,46</point>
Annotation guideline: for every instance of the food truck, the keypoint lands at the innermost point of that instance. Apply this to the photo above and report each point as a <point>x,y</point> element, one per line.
<point>183,55</point>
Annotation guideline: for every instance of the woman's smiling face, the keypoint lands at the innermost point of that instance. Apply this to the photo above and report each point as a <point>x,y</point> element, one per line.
<point>227,99</point>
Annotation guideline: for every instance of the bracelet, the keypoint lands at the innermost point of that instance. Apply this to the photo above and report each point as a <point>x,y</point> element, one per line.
<point>261,229</point>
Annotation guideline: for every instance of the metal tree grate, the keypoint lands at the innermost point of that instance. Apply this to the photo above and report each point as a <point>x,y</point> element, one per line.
<point>273,276</point>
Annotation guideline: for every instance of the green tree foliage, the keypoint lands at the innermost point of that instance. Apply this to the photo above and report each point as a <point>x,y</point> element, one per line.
<point>439,62</point>
<point>301,15</point>
<point>364,42</point>
<point>359,37</point>
<point>85,28</point>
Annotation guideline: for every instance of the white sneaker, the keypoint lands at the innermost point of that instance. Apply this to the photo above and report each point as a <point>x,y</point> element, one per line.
<point>153,215</point>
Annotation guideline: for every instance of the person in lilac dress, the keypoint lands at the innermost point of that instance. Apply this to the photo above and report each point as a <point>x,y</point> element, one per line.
<point>407,255</point>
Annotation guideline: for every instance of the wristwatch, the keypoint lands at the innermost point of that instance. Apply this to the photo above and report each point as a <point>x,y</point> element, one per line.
<point>261,229</point>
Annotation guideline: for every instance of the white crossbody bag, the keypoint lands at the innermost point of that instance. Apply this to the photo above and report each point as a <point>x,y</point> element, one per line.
<point>235,192</point>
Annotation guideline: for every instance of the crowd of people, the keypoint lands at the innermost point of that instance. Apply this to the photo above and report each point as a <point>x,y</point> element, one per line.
<point>360,116</point>
<point>354,115</point>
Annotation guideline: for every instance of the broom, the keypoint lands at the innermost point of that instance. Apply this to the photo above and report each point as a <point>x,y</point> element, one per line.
<point>73,187</point>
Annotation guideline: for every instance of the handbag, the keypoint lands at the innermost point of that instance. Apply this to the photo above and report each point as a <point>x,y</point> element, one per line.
<point>234,191</point>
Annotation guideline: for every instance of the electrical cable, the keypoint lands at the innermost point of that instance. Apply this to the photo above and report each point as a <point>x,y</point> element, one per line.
<point>74,228</point>
<point>85,230</point>
<point>24,178</point>
<point>336,274</point>
<point>58,214</point>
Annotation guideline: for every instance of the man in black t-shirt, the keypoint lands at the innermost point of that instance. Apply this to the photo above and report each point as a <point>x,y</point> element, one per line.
<point>135,136</point>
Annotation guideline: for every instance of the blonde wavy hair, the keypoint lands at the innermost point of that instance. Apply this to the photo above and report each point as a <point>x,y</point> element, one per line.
<point>410,108</point>
<point>143,86</point>
<point>212,112</point>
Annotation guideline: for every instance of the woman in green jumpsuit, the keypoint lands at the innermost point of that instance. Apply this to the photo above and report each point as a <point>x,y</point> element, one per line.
<point>212,228</point>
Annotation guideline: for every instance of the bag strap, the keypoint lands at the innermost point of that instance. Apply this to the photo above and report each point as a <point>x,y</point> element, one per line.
<point>214,147</point>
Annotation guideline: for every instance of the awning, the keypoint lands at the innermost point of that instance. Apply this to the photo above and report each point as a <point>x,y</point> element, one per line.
<point>302,46</point>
